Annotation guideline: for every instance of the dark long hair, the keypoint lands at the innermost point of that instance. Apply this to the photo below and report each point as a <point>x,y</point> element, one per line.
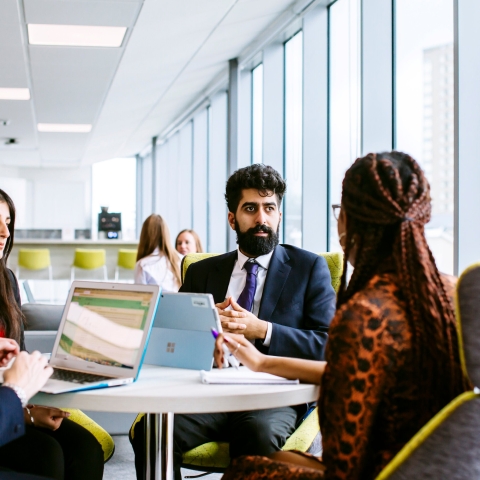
<point>386,200</point>
<point>11,317</point>
<point>155,234</point>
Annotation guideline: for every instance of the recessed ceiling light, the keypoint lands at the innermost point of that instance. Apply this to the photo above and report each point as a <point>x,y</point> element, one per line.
<point>14,94</point>
<point>76,35</point>
<point>64,127</point>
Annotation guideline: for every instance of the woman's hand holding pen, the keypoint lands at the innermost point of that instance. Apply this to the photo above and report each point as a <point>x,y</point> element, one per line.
<point>241,349</point>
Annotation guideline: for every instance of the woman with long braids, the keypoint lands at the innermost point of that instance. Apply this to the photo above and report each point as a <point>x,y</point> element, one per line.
<point>392,360</point>
<point>53,446</point>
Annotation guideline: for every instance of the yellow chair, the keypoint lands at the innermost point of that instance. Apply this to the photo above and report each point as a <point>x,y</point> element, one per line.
<point>190,258</point>
<point>34,259</point>
<point>102,436</point>
<point>89,259</point>
<point>334,262</point>
<point>127,258</point>
<point>214,456</point>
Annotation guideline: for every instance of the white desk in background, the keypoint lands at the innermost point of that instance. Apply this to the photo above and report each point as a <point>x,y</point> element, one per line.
<point>162,392</point>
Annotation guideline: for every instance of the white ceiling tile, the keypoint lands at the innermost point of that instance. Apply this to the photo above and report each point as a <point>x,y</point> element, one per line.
<point>76,12</point>
<point>62,147</point>
<point>70,83</point>
<point>13,70</point>
<point>21,124</point>
<point>20,158</point>
<point>174,51</point>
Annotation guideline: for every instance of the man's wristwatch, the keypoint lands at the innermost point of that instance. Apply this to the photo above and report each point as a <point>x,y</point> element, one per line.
<point>19,391</point>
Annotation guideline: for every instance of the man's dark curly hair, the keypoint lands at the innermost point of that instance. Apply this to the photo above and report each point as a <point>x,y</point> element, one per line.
<point>263,178</point>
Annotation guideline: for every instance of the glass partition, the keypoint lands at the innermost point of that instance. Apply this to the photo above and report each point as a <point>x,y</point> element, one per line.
<point>425,108</point>
<point>293,140</point>
<point>257,114</point>
<point>344,17</point>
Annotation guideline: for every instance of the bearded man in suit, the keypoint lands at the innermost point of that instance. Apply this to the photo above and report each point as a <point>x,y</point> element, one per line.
<point>279,296</point>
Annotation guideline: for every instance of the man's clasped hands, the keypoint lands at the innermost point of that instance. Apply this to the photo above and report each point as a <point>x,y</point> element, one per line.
<point>236,319</point>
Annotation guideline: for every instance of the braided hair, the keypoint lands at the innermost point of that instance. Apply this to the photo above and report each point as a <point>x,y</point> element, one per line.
<point>386,200</point>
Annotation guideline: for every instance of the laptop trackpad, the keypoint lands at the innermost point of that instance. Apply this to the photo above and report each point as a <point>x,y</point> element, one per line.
<point>180,348</point>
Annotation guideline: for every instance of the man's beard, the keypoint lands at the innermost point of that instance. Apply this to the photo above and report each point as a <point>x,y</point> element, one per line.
<point>256,246</point>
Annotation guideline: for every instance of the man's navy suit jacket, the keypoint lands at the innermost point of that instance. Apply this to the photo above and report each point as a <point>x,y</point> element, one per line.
<point>298,298</point>
<point>12,424</point>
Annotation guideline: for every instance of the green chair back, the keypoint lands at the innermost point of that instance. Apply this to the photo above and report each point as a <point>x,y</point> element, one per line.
<point>334,262</point>
<point>127,258</point>
<point>34,258</point>
<point>335,265</point>
<point>192,258</point>
<point>89,258</point>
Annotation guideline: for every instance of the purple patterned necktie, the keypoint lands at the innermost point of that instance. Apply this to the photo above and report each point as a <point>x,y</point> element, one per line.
<point>245,300</point>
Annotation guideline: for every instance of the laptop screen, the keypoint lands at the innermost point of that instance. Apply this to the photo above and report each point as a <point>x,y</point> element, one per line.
<point>105,326</point>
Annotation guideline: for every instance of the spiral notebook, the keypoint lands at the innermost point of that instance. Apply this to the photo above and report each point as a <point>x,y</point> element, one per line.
<point>242,376</point>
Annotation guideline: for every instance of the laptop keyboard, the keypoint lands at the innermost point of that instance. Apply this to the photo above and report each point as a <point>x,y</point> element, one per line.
<point>77,377</point>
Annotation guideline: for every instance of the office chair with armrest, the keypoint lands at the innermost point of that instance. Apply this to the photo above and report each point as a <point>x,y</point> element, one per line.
<point>448,446</point>
<point>214,456</point>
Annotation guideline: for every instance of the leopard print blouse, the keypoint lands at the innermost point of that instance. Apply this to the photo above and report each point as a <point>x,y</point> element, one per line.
<point>368,403</point>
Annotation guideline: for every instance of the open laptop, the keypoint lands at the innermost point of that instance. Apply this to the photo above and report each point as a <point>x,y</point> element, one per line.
<point>102,336</point>
<point>181,335</point>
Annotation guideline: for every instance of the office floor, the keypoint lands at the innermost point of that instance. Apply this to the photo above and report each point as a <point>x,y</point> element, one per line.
<point>121,465</point>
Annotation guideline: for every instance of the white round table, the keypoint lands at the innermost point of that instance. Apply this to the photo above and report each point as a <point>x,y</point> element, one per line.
<point>163,391</point>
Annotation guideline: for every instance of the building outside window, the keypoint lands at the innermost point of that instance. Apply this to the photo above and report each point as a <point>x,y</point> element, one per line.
<point>425,109</point>
<point>293,140</point>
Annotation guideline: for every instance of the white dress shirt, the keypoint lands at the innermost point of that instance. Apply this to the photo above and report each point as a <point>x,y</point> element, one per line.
<point>239,279</point>
<point>155,270</point>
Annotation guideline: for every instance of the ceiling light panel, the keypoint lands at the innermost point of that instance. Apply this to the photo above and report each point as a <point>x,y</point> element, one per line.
<point>64,127</point>
<point>14,94</point>
<point>76,35</point>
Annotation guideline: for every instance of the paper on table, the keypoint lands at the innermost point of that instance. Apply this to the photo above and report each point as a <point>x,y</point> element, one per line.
<point>232,376</point>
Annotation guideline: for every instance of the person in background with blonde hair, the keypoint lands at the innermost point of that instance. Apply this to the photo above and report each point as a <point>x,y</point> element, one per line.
<point>157,261</point>
<point>188,241</point>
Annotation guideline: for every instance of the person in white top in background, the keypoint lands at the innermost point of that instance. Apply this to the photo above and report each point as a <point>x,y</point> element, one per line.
<point>158,262</point>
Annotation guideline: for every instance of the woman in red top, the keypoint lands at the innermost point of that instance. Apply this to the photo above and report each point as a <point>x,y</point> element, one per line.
<point>53,446</point>
<point>392,359</point>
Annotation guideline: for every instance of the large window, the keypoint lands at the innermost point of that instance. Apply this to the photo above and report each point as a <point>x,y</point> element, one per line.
<point>425,108</point>
<point>344,99</point>
<point>114,186</point>
<point>257,114</point>
<point>293,140</point>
